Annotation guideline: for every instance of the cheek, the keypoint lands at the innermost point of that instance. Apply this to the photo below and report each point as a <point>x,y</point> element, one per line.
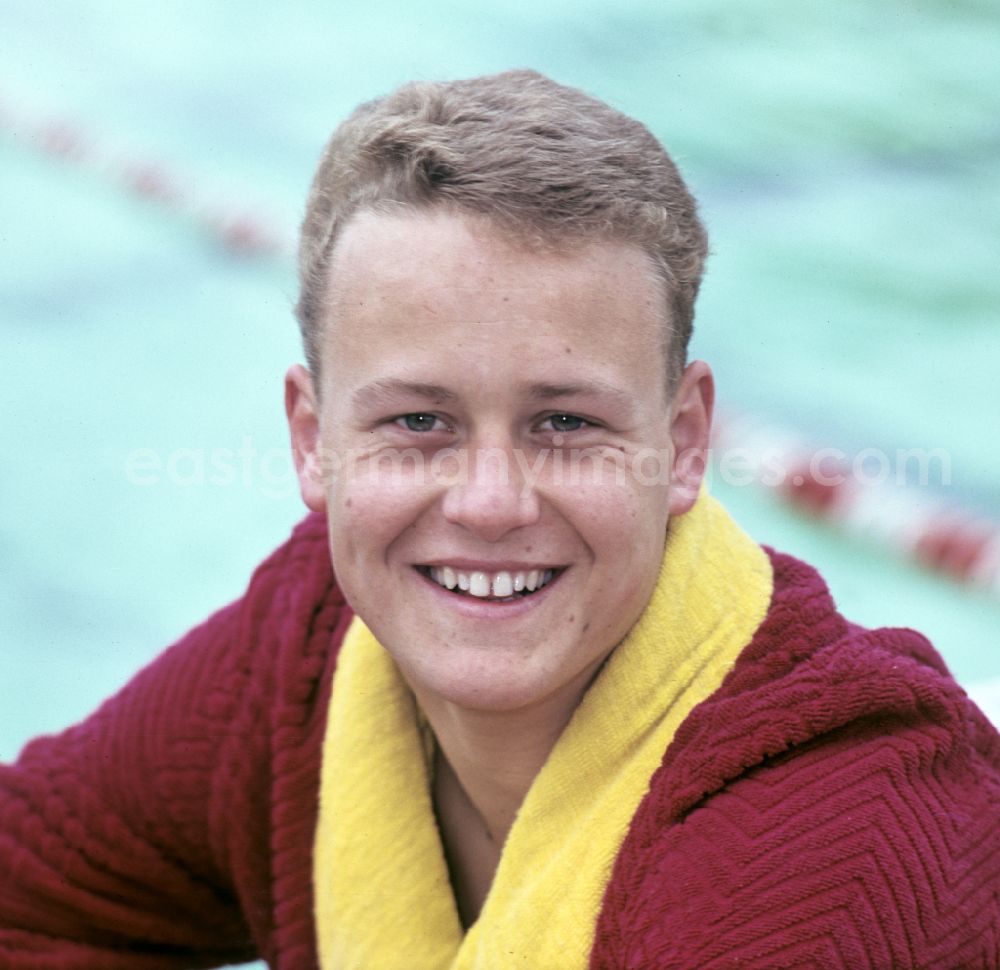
<point>361,532</point>
<point>369,511</point>
<point>624,527</point>
<point>623,514</point>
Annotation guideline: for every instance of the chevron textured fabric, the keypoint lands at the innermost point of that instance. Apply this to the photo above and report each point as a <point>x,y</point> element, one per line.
<point>836,803</point>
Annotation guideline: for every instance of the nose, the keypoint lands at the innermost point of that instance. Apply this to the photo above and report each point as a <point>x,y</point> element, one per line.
<point>493,496</point>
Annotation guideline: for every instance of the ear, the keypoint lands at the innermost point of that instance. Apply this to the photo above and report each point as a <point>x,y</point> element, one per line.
<point>690,430</point>
<point>303,425</point>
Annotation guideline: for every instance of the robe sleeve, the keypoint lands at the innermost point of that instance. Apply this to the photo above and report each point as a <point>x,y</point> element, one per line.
<point>110,847</point>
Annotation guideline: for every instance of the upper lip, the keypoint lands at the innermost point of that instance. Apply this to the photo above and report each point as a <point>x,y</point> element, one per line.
<point>478,566</point>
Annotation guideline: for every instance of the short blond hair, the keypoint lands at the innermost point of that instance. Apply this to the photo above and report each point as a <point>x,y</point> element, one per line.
<point>548,163</point>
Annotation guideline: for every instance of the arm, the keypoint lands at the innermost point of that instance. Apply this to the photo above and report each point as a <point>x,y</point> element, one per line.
<point>107,855</point>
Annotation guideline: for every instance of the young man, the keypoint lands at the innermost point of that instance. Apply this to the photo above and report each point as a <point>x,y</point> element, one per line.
<point>518,692</point>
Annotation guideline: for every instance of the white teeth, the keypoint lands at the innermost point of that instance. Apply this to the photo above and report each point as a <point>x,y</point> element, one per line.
<point>482,584</point>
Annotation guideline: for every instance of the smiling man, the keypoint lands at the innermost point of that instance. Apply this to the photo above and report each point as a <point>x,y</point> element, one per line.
<point>518,693</point>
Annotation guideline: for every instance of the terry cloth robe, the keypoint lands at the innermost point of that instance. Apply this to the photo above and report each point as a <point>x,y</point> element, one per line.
<point>834,803</point>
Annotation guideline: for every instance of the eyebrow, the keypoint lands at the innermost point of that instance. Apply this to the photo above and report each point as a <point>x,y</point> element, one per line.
<point>593,388</point>
<point>389,387</point>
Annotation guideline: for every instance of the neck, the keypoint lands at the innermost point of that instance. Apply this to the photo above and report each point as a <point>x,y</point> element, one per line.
<point>494,756</point>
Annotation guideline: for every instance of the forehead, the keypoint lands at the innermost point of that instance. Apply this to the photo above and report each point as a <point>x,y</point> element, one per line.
<point>437,288</point>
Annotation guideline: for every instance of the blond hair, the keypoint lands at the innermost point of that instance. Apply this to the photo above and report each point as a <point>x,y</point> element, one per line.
<point>548,163</point>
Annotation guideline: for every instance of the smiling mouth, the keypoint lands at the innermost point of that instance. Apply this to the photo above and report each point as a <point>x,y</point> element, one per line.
<point>501,586</point>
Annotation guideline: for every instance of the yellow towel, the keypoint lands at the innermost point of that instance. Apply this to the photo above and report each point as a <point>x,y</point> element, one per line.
<point>383,899</point>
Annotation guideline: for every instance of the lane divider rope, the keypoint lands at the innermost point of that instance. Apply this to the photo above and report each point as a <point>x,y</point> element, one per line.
<point>239,229</point>
<point>921,524</point>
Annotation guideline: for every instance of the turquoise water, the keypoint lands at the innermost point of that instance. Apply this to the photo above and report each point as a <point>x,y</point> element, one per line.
<point>845,155</point>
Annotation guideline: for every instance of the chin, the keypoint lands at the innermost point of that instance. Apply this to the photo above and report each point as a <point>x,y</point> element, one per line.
<point>490,684</point>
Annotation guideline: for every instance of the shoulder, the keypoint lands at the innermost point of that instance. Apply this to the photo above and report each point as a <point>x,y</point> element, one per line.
<point>836,799</point>
<point>292,607</point>
<point>288,628</point>
<point>300,566</point>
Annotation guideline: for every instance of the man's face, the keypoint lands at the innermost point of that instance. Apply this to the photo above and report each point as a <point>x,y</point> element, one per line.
<point>495,419</point>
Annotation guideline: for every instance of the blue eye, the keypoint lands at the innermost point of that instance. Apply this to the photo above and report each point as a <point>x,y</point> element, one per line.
<point>565,422</point>
<point>418,421</point>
